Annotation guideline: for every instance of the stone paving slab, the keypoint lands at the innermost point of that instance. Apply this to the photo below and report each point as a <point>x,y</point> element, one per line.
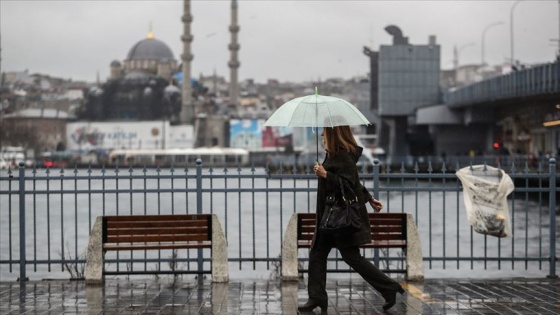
<point>347,296</point>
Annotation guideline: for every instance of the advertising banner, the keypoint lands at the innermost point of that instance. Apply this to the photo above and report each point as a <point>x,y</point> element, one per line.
<point>277,137</point>
<point>127,135</point>
<point>252,134</point>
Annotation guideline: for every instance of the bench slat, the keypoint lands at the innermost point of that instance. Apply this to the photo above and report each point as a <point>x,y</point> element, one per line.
<point>385,243</point>
<point>374,244</point>
<point>375,236</point>
<point>162,217</point>
<point>157,246</point>
<point>386,215</point>
<point>378,227</point>
<point>307,229</point>
<point>157,238</point>
<point>306,236</point>
<point>389,220</point>
<point>381,237</point>
<point>156,231</point>
<point>150,224</point>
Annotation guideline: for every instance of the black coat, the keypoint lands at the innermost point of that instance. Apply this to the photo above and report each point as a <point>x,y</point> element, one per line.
<point>343,164</point>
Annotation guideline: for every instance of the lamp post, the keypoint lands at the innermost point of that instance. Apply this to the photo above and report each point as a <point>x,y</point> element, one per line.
<point>483,36</point>
<point>558,55</point>
<point>511,47</point>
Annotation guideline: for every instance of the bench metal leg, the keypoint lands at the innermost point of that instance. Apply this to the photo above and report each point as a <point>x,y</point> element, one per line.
<point>414,269</point>
<point>290,251</point>
<point>219,252</point>
<point>94,260</point>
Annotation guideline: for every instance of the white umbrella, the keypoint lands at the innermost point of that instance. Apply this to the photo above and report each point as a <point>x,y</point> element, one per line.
<point>317,111</point>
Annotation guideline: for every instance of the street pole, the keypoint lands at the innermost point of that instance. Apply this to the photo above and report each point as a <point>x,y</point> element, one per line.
<point>483,36</point>
<point>456,54</point>
<point>511,47</point>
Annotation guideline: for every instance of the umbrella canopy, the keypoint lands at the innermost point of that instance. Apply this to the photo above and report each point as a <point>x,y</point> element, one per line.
<point>317,111</point>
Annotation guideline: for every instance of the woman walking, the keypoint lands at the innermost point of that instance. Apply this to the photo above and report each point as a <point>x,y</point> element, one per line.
<point>340,162</point>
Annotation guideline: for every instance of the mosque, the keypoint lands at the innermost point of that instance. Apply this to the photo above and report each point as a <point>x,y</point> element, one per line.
<point>147,88</point>
<point>143,87</point>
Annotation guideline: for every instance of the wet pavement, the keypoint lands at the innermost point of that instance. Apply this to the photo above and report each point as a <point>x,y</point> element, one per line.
<point>346,296</point>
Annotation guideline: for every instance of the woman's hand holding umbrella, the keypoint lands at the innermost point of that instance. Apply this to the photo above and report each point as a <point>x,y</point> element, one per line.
<point>319,170</point>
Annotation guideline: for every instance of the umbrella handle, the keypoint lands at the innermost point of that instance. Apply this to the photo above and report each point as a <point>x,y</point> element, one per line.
<point>317,145</point>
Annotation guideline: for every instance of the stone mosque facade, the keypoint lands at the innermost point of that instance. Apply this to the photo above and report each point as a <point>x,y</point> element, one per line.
<point>141,88</point>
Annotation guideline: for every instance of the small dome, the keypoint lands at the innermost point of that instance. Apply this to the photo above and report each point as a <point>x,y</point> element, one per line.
<point>171,89</point>
<point>95,91</point>
<point>150,48</point>
<point>136,75</point>
<point>115,63</point>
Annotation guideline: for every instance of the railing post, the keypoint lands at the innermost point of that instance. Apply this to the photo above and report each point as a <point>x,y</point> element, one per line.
<point>376,196</point>
<point>22,256</point>
<point>200,259</point>
<point>552,209</point>
<point>198,186</point>
<point>376,178</point>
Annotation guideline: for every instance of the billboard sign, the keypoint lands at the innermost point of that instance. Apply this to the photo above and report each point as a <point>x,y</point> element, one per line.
<point>252,134</point>
<point>127,135</point>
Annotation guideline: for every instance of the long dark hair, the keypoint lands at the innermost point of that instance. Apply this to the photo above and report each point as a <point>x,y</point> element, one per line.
<point>339,138</point>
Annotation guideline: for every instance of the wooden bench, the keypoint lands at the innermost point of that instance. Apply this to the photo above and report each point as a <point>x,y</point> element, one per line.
<point>388,230</point>
<point>156,232</point>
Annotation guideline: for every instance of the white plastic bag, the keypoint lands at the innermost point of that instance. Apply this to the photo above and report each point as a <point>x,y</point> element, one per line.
<point>485,191</point>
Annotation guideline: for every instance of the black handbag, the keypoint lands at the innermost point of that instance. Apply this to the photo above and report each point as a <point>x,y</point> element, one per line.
<point>342,214</point>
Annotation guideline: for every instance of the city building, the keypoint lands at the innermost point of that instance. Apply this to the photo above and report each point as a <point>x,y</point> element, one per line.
<point>35,129</point>
<point>407,78</point>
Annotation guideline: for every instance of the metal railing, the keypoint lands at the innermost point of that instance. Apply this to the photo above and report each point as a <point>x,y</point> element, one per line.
<point>46,216</point>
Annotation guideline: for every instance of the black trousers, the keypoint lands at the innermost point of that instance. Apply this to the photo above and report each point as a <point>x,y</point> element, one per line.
<point>316,285</point>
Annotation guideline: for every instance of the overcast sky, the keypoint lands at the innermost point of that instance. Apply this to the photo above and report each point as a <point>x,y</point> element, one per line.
<point>285,40</point>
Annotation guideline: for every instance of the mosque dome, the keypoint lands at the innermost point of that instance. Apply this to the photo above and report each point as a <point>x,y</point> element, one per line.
<point>150,48</point>
<point>115,63</point>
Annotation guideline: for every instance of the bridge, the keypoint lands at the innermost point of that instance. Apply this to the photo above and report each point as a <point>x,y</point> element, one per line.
<point>536,84</point>
<point>517,113</point>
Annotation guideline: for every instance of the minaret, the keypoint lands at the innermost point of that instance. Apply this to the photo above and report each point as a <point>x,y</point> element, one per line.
<point>187,108</point>
<point>233,61</point>
<point>215,83</point>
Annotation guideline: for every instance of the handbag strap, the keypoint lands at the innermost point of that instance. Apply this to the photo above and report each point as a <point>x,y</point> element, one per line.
<point>344,184</point>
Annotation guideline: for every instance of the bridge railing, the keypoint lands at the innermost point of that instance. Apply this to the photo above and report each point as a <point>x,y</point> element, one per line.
<point>537,80</point>
<point>46,216</point>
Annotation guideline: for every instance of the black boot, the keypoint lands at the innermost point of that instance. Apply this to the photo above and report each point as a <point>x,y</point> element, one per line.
<point>391,299</point>
<point>310,305</point>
